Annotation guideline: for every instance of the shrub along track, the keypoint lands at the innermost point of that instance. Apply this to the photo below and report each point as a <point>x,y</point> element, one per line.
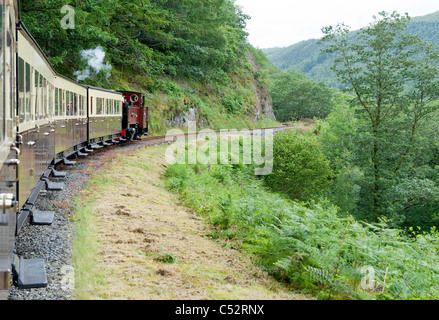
<point>139,243</point>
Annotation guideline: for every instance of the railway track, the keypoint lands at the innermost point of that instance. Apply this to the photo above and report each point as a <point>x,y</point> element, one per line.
<point>52,243</point>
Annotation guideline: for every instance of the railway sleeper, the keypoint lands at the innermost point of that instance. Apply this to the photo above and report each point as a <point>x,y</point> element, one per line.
<point>42,217</point>
<point>29,273</point>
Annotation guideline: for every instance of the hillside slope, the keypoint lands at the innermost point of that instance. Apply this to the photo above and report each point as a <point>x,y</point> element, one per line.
<point>305,56</point>
<point>191,57</point>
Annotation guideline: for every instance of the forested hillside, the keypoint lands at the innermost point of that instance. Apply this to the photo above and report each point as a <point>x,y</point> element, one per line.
<point>306,56</point>
<point>191,57</point>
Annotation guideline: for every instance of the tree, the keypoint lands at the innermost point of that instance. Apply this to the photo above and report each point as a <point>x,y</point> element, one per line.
<point>296,97</point>
<point>300,169</point>
<point>394,79</point>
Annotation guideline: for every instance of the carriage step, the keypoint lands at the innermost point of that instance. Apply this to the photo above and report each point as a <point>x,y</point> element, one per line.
<point>86,150</point>
<point>58,174</point>
<point>54,186</point>
<point>31,273</point>
<point>106,144</point>
<point>68,162</point>
<point>80,154</point>
<point>114,141</point>
<point>96,146</point>
<point>122,139</point>
<point>42,217</point>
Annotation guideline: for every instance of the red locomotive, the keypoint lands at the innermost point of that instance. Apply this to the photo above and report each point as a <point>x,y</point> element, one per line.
<point>135,115</point>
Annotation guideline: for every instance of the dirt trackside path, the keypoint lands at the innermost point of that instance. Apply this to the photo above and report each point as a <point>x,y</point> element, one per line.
<point>149,247</point>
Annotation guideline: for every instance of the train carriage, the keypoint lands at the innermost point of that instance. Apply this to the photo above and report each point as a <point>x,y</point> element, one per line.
<point>105,115</point>
<point>8,151</point>
<point>70,116</point>
<point>46,118</point>
<point>35,84</point>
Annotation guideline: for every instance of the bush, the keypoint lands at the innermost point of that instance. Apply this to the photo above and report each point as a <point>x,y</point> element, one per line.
<point>300,169</point>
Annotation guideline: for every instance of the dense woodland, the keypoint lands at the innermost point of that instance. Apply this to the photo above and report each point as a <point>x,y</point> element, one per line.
<point>179,52</point>
<point>356,197</point>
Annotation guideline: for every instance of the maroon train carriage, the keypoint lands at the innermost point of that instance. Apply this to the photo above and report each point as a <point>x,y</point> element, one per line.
<point>47,119</point>
<point>135,115</point>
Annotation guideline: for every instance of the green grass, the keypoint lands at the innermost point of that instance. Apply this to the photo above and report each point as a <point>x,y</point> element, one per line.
<point>85,251</point>
<point>309,245</point>
<point>85,245</point>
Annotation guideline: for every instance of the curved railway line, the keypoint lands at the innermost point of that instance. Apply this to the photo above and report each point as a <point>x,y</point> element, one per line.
<point>52,242</point>
<point>46,121</point>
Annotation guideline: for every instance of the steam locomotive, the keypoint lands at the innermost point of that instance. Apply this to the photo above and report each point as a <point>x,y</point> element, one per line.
<point>46,119</point>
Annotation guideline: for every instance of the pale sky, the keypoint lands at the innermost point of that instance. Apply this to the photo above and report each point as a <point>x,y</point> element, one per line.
<point>281,23</point>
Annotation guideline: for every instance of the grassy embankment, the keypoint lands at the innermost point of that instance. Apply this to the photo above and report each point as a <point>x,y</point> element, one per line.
<point>134,241</point>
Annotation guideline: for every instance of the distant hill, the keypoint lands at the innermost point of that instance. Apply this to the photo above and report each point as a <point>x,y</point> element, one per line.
<point>305,56</point>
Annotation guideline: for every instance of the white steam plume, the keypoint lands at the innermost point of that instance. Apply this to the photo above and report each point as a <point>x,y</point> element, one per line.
<point>95,63</point>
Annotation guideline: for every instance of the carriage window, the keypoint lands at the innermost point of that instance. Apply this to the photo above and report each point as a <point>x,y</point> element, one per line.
<point>28,90</point>
<point>62,103</point>
<point>67,110</point>
<point>51,103</point>
<point>99,105</point>
<point>82,110</point>
<point>44,97</point>
<point>107,106</point>
<point>114,106</point>
<point>79,105</point>
<point>71,103</point>
<point>56,102</point>
<point>21,91</point>
<point>37,95</point>
<point>75,104</point>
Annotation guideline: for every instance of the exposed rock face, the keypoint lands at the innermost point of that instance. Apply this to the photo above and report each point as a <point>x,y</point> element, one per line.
<point>181,120</point>
<point>264,104</point>
<point>266,107</point>
<point>263,107</point>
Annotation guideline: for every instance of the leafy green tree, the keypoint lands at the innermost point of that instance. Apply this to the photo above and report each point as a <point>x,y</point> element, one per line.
<point>296,97</point>
<point>300,168</point>
<point>202,40</point>
<point>394,79</point>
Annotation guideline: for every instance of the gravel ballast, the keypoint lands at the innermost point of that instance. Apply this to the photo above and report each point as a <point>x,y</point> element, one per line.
<point>53,243</point>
